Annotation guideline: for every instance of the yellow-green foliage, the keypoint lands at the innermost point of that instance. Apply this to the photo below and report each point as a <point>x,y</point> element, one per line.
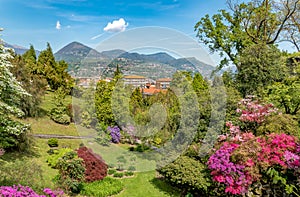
<point>53,158</point>
<point>280,123</point>
<point>106,187</point>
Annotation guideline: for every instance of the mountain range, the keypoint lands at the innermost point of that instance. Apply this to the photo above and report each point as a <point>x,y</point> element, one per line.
<point>87,62</point>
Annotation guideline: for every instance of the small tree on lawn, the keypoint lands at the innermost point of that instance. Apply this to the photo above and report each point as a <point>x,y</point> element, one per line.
<point>95,167</point>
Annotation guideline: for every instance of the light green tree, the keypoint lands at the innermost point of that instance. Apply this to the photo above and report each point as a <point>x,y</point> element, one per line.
<point>244,24</point>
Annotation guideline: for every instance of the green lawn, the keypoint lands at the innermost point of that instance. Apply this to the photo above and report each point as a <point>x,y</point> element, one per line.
<point>145,184</point>
<point>45,125</point>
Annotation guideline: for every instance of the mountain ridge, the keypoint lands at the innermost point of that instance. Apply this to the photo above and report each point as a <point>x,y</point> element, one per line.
<point>86,61</point>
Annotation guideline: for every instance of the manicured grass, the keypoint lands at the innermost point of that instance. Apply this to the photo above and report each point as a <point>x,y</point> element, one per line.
<point>47,103</point>
<point>45,125</point>
<point>112,152</point>
<point>145,184</point>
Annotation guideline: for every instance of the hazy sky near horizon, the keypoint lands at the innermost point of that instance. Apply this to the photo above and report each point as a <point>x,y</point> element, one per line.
<point>91,21</point>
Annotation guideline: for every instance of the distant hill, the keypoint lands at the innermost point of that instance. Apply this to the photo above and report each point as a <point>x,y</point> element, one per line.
<point>113,53</point>
<point>87,62</point>
<point>160,57</point>
<point>75,52</point>
<point>19,49</point>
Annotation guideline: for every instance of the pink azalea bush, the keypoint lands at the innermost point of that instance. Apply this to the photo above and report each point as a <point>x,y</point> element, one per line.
<point>21,191</point>
<point>225,171</point>
<point>239,173</point>
<point>241,158</point>
<point>253,111</point>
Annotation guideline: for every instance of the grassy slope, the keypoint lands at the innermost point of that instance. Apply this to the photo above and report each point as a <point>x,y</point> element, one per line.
<point>142,184</point>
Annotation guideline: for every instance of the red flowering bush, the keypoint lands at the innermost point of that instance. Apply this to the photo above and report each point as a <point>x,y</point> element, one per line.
<point>274,146</point>
<point>95,167</point>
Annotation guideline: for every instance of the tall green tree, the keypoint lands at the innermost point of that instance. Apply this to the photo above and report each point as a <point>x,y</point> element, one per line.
<point>260,65</point>
<point>244,24</point>
<point>285,94</point>
<point>12,132</point>
<point>34,84</point>
<point>55,72</point>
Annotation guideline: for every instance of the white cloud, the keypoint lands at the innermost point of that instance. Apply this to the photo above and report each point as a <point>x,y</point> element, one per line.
<point>58,26</point>
<point>116,26</point>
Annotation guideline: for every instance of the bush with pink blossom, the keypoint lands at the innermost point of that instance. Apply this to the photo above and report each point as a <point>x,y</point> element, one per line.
<point>242,160</point>
<point>19,190</point>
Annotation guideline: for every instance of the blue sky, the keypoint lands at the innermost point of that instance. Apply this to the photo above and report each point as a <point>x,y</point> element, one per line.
<point>63,21</point>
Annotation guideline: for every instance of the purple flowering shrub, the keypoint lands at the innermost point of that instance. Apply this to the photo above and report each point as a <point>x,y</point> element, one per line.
<point>115,134</point>
<point>20,191</point>
<point>241,159</point>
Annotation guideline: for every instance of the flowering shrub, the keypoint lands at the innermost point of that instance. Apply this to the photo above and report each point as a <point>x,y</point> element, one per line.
<point>115,134</point>
<point>225,171</point>
<point>239,165</point>
<point>274,147</point>
<point>16,191</point>
<point>252,114</point>
<point>253,111</point>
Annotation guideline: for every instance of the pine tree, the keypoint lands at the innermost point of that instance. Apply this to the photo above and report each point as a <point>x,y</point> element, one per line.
<point>54,72</point>
<point>34,84</point>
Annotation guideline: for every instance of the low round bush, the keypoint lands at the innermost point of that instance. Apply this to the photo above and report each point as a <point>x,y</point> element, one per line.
<point>52,159</point>
<point>129,173</point>
<point>119,174</point>
<point>106,187</point>
<point>53,142</point>
<point>131,168</point>
<point>111,171</point>
<point>59,116</point>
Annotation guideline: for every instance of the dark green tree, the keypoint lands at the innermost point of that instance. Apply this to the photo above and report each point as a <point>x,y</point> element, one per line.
<point>54,72</point>
<point>34,84</point>
<point>260,65</point>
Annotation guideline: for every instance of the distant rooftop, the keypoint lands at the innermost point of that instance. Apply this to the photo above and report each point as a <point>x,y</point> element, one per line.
<point>134,77</point>
<point>164,80</point>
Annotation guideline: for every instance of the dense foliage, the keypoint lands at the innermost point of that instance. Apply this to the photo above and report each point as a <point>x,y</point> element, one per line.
<point>71,172</point>
<point>95,167</point>
<point>53,159</point>
<point>12,133</point>
<point>33,83</point>
<point>106,187</point>
<point>188,174</point>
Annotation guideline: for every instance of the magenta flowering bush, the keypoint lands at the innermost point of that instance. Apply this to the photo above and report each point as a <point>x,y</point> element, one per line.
<point>21,191</point>
<point>242,159</point>
<point>239,165</point>
<point>225,171</point>
<point>274,147</point>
